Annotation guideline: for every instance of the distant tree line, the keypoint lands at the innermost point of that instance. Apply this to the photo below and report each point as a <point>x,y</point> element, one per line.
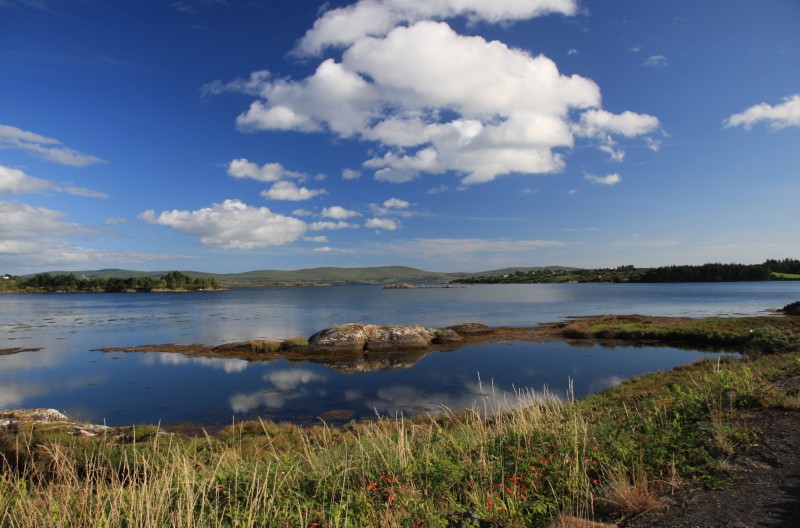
<point>769,270</point>
<point>47,283</point>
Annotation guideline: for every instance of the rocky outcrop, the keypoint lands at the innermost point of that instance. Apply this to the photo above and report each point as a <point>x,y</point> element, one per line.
<point>358,337</point>
<point>792,309</point>
<point>398,286</point>
<point>446,335</point>
<point>399,337</point>
<point>14,418</point>
<point>470,329</point>
<point>345,337</point>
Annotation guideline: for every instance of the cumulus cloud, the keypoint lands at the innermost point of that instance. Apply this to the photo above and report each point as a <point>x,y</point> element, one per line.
<point>286,190</point>
<point>387,224</point>
<point>327,225</point>
<point>44,147</point>
<point>396,203</point>
<point>432,100</point>
<point>351,174</point>
<point>33,238</point>
<point>269,172</point>
<point>779,116</point>
<point>338,213</point>
<point>231,225</point>
<point>343,26</point>
<point>611,179</point>
<point>15,181</point>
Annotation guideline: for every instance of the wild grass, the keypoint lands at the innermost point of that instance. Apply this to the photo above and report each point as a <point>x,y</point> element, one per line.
<point>532,461</point>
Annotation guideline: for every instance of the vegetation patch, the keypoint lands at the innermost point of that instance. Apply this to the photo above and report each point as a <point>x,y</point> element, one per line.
<point>535,461</point>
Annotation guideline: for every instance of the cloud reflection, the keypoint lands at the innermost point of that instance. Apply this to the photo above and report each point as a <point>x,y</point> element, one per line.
<point>227,365</point>
<point>285,383</point>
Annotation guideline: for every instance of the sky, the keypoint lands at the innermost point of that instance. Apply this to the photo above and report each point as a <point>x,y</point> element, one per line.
<point>449,135</point>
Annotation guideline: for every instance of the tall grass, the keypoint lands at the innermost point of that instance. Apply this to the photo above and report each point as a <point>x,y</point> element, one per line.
<point>526,461</point>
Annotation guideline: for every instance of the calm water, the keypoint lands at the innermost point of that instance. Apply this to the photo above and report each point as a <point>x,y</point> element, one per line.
<point>130,388</point>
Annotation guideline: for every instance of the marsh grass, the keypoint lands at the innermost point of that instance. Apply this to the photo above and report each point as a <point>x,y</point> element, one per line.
<point>530,460</point>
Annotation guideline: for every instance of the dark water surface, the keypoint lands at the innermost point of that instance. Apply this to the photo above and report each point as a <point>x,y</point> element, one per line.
<point>126,388</point>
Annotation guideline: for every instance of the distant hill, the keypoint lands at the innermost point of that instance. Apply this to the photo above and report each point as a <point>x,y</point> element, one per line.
<point>325,275</point>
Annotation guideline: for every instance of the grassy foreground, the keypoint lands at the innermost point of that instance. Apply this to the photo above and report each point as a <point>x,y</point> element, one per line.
<point>533,462</point>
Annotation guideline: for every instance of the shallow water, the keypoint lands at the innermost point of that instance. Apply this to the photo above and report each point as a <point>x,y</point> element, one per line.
<point>126,388</point>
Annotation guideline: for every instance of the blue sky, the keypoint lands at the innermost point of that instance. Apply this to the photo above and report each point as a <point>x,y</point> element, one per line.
<point>227,135</point>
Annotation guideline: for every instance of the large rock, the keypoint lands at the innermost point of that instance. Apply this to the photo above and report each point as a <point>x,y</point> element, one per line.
<point>345,337</point>
<point>792,309</point>
<point>447,335</point>
<point>399,337</point>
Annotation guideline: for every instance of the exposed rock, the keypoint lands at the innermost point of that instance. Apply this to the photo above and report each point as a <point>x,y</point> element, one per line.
<point>398,286</point>
<point>399,337</point>
<point>470,329</point>
<point>792,309</point>
<point>447,335</point>
<point>15,418</point>
<point>344,337</point>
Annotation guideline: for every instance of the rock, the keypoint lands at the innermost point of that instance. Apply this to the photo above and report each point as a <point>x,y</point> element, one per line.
<point>14,418</point>
<point>447,335</point>
<point>792,309</point>
<point>399,337</point>
<point>398,286</point>
<point>469,329</point>
<point>345,337</point>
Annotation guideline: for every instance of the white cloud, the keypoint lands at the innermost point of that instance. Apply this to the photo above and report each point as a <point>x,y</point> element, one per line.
<point>614,154</point>
<point>232,225</point>
<point>269,172</point>
<point>338,213</point>
<point>15,181</point>
<point>346,25</point>
<point>318,239</point>
<point>350,174</point>
<point>286,190</point>
<point>302,212</point>
<point>396,203</point>
<point>597,122</point>
<point>611,179</point>
<point>655,61</point>
<point>778,116</point>
<point>433,100</point>
<point>382,223</point>
<point>46,148</point>
<point>327,225</point>
<point>31,238</point>
<point>115,221</point>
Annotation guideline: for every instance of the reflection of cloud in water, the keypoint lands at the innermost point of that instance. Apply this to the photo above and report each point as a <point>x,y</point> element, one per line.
<point>284,381</point>
<point>289,379</point>
<point>228,365</point>
<point>26,360</point>
<point>605,382</point>
<point>406,399</point>
<point>14,394</point>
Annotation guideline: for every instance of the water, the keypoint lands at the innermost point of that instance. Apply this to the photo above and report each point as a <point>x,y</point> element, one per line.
<point>126,388</point>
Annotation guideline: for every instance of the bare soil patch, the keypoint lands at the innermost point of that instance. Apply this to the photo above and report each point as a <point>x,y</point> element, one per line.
<point>762,485</point>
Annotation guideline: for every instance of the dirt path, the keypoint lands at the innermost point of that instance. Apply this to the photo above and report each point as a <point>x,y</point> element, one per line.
<point>763,488</point>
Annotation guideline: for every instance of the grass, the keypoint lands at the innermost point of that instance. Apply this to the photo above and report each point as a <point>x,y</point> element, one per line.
<point>786,276</point>
<point>533,461</point>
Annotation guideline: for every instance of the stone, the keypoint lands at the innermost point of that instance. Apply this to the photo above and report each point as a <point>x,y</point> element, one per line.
<point>399,337</point>
<point>345,337</point>
<point>792,308</point>
<point>472,328</point>
<point>447,335</point>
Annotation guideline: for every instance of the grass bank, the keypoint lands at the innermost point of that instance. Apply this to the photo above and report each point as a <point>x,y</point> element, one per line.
<point>533,462</point>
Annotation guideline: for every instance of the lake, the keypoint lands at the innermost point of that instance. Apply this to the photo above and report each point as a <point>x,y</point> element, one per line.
<point>128,388</point>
